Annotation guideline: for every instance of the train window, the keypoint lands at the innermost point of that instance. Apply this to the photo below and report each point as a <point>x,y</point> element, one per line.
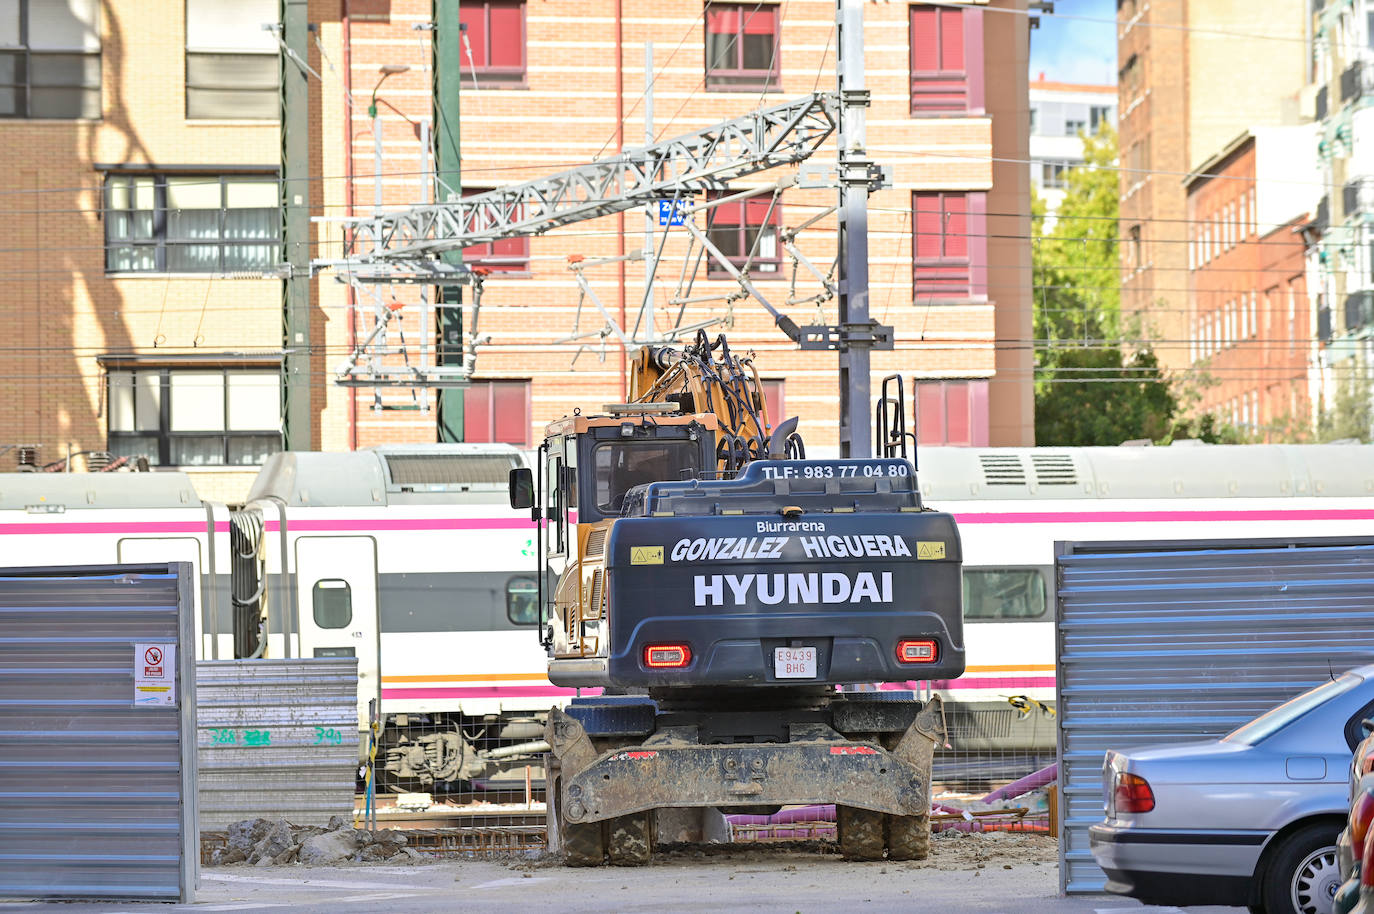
<point>333,603</point>
<point>522,601</point>
<point>1004,593</point>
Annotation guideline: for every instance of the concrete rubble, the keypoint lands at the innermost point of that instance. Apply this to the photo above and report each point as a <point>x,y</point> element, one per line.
<point>272,842</point>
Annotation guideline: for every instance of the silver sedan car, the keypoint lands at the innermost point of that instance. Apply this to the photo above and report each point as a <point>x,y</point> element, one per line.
<point>1247,819</point>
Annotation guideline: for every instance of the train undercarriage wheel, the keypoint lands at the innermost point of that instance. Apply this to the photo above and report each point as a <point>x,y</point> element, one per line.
<point>630,839</point>
<point>908,837</point>
<point>860,833</point>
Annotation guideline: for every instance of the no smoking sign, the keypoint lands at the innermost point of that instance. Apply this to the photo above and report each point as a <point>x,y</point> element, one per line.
<point>154,676</point>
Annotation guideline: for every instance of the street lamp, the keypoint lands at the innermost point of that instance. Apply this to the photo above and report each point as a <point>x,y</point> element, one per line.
<point>390,69</point>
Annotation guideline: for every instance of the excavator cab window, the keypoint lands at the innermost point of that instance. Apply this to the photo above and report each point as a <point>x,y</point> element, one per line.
<point>622,465</point>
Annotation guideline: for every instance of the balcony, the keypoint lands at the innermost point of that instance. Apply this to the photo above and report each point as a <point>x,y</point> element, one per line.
<point>1321,104</point>
<point>1359,310</point>
<point>1357,80</point>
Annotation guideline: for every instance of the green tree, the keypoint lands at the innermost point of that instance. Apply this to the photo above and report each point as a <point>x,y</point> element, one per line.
<point>1091,388</point>
<point>1349,416</point>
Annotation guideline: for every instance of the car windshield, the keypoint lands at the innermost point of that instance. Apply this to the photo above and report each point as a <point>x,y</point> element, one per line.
<point>1271,722</point>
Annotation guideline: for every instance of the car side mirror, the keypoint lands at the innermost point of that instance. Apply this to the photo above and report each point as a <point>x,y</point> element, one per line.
<point>521,488</point>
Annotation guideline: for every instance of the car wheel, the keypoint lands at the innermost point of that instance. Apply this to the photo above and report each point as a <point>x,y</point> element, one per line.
<point>1303,875</point>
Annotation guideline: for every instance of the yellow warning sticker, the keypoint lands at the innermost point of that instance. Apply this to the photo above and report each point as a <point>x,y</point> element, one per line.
<point>925,549</point>
<point>646,555</point>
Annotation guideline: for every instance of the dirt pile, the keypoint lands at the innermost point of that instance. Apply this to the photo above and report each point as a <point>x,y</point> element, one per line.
<point>269,842</point>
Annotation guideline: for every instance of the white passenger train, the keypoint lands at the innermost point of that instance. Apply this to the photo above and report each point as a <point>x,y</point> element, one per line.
<point>410,559</point>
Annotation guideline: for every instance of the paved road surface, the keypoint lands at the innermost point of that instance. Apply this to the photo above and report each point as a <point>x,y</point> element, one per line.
<point>787,883</point>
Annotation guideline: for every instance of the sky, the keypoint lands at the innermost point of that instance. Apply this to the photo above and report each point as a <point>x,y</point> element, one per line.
<point>1072,50</point>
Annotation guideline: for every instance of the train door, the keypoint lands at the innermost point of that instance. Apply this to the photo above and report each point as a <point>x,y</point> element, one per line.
<point>136,549</point>
<point>336,595</point>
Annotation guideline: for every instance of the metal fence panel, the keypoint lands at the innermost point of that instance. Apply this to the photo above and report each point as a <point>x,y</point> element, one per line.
<point>1169,642</point>
<point>97,777</point>
<point>277,738</point>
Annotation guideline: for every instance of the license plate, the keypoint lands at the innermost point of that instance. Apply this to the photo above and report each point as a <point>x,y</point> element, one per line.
<point>794,662</point>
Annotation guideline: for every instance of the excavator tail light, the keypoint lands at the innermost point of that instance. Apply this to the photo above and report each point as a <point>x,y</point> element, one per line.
<point>667,656</point>
<point>916,652</point>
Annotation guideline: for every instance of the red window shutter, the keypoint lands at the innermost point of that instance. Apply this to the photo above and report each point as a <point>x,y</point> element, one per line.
<point>952,40</point>
<point>925,46</point>
<point>930,413</point>
<point>722,21</point>
<point>510,423</point>
<point>957,413</point>
<point>929,236</point>
<point>507,35</point>
<point>955,220</point>
<point>474,20</point>
<point>477,411</point>
<point>761,21</point>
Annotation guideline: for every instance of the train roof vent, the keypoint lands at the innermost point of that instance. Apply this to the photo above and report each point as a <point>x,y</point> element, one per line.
<point>1054,469</point>
<point>1002,470</point>
<point>444,470</point>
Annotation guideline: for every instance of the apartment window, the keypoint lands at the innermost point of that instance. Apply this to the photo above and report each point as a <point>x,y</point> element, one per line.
<point>195,416</point>
<point>946,60</point>
<point>1129,78</point>
<point>508,255</point>
<point>742,46</point>
<point>50,59</point>
<point>231,60</point>
<point>746,232</point>
<point>191,223</point>
<point>950,243</point>
<point>773,397</point>
<point>1099,116</point>
<point>1072,126</point>
<point>497,411</point>
<point>1135,256</point>
<point>494,42</point>
<point>1054,174</point>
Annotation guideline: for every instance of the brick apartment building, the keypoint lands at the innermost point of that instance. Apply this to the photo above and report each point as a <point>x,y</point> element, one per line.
<point>140,198</point>
<point>943,104</point>
<point>144,150</point>
<point>1247,299</point>
<point>1193,75</point>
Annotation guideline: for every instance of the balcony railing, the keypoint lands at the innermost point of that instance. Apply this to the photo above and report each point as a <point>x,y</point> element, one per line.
<point>1321,104</point>
<point>1359,310</point>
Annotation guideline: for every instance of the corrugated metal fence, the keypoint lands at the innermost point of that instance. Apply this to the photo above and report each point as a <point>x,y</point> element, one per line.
<point>97,776</point>
<point>277,738</point>
<point>1169,642</point>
